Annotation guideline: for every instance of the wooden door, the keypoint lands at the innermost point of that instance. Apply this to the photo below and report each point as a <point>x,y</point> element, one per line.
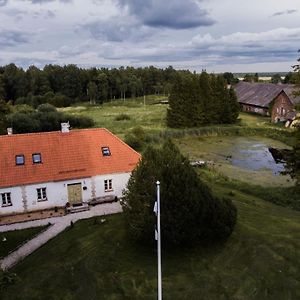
<point>74,193</point>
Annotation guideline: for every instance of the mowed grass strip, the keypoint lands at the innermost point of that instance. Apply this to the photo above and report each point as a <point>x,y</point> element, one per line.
<point>261,260</point>
<point>10,240</point>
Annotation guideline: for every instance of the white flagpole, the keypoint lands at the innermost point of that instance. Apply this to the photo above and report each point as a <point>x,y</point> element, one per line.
<point>159,283</point>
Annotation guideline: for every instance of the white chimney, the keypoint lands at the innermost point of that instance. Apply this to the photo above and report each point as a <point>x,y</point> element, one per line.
<point>65,127</point>
<point>9,131</point>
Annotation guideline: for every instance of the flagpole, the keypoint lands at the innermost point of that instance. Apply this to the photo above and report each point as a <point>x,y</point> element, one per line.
<point>159,283</point>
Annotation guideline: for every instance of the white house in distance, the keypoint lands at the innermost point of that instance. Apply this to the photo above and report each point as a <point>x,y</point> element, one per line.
<point>72,168</point>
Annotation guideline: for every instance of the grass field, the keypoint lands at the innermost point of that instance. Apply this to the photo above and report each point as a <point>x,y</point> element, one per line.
<point>16,238</point>
<point>261,260</point>
<point>150,116</point>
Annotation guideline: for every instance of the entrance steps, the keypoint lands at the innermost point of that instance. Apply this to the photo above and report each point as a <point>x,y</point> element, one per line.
<point>78,208</point>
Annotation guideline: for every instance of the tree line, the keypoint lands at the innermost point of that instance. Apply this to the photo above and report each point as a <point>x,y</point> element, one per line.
<point>64,85</point>
<point>197,100</point>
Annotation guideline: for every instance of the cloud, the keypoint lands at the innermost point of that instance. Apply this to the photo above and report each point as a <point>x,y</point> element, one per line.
<point>284,12</point>
<point>174,14</point>
<point>117,30</point>
<point>277,44</point>
<point>47,1</point>
<point>10,38</point>
<point>3,2</point>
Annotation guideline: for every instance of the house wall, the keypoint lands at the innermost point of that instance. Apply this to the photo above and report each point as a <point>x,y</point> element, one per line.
<point>282,105</point>
<point>255,109</point>
<point>24,198</point>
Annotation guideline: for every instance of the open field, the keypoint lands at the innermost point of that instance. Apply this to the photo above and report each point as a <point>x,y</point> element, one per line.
<point>150,116</point>
<point>261,260</point>
<point>16,238</point>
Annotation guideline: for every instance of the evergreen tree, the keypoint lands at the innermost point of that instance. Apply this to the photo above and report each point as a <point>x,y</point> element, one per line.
<point>196,100</point>
<point>5,109</point>
<point>2,88</point>
<point>189,212</point>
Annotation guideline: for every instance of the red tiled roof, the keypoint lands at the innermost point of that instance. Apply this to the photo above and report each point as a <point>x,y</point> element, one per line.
<point>76,154</point>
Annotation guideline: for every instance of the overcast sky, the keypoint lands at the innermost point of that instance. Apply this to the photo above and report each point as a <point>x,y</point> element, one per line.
<point>216,35</point>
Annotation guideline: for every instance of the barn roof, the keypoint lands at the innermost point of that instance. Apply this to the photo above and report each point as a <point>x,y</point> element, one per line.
<point>262,94</point>
<point>64,156</point>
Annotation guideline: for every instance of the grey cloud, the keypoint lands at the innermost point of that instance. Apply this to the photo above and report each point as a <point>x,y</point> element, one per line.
<point>10,38</point>
<point>47,1</point>
<point>174,14</point>
<point>3,2</point>
<point>117,30</point>
<point>284,12</point>
<point>276,45</point>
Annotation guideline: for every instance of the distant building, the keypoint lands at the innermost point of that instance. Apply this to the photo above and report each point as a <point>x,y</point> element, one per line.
<point>275,100</point>
<point>65,168</point>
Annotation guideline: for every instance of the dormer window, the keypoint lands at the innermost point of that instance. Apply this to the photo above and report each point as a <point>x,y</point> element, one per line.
<point>36,158</point>
<point>105,151</point>
<point>20,159</point>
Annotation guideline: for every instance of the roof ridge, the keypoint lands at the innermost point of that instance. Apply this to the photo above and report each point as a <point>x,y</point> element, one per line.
<point>50,132</point>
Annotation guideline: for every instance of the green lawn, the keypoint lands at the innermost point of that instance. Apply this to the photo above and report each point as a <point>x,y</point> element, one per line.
<point>261,260</point>
<point>15,238</point>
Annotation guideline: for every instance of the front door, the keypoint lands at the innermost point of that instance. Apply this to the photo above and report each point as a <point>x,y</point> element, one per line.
<point>74,193</point>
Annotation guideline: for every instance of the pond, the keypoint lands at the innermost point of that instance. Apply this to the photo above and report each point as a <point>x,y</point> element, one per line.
<point>243,158</point>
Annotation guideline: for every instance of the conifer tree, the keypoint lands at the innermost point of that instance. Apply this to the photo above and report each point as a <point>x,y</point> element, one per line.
<point>189,212</point>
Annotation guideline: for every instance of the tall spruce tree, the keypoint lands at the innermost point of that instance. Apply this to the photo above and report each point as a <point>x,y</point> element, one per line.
<point>197,100</point>
<point>190,213</point>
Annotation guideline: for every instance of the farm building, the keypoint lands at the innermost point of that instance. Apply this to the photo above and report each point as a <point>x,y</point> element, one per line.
<point>62,169</point>
<point>275,100</point>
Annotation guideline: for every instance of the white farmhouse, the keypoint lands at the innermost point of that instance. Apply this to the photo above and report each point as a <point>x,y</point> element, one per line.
<point>64,168</point>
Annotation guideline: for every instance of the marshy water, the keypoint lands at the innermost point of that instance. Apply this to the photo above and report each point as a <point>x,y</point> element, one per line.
<point>253,155</point>
<point>243,158</point>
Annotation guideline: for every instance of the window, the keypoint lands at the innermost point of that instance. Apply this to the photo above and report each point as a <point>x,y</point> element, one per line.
<point>6,199</point>
<point>36,158</point>
<point>105,151</point>
<point>41,194</point>
<point>108,185</point>
<point>20,159</point>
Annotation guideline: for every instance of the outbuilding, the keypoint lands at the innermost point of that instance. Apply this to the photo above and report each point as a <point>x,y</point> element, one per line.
<point>275,100</point>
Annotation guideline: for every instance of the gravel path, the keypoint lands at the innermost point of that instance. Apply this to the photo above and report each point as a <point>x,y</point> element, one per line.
<point>59,224</point>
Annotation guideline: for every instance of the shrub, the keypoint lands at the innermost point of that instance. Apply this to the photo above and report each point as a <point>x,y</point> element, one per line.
<point>136,138</point>
<point>122,117</point>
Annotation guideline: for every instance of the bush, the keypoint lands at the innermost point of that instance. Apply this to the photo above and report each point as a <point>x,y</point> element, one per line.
<point>122,117</point>
<point>136,138</point>
<point>189,212</point>
<point>78,121</point>
<point>46,107</point>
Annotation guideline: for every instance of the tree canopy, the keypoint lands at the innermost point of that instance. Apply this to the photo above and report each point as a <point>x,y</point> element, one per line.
<point>69,83</point>
<point>197,100</point>
<point>190,213</point>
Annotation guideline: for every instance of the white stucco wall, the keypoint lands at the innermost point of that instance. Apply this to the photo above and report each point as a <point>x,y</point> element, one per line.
<point>24,198</point>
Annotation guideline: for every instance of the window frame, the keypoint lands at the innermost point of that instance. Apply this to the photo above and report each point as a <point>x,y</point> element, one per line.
<point>6,199</point>
<point>41,194</point>
<point>36,162</point>
<point>105,151</point>
<point>108,185</point>
<point>20,156</point>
